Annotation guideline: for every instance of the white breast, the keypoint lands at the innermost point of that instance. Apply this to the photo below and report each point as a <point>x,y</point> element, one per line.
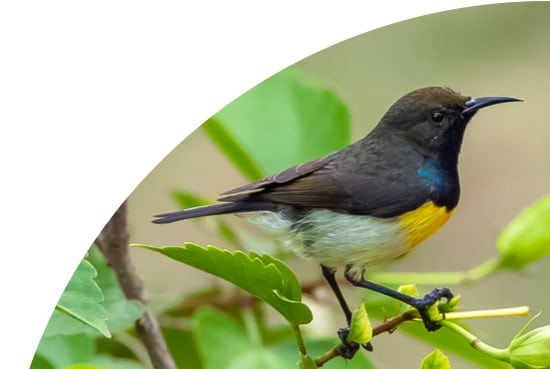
<point>335,239</point>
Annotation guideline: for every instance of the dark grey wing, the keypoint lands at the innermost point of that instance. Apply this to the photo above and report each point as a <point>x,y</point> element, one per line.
<point>285,176</point>
<point>314,184</point>
<point>254,196</point>
<point>357,180</point>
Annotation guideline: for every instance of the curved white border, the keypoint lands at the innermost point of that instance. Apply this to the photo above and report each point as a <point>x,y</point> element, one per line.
<point>94,95</point>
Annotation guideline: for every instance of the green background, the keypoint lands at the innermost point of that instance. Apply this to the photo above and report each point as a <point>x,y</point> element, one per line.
<point>504,165</point>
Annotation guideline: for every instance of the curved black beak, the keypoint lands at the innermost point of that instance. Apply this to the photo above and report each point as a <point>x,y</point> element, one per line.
<point>474,105</point>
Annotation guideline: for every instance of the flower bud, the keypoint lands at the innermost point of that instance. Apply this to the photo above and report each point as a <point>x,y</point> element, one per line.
<point>527,238</point>
<point>532,349</point>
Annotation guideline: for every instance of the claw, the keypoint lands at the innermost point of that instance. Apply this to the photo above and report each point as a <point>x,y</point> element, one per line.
<point>423,304</point>
<point>348,348</point>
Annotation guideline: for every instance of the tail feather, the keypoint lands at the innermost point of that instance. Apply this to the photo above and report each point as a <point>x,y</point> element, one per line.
<point>216,209</point>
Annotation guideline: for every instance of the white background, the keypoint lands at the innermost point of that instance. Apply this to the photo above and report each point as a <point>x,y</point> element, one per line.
<point>77,77</point>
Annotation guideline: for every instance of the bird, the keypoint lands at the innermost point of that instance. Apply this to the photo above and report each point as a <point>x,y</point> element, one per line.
<point>370,202</point>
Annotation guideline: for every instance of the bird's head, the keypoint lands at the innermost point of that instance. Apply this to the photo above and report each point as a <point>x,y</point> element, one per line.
<point>433,119</point>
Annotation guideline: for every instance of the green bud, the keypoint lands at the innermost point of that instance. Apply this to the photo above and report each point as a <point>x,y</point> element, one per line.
<point>360,328</point>
<point>435,360</point>
<point>449,306</point>
<point>306,362</point>
<point>527,238</point>
<point>532,349</point>
<point>409,289</point>
<point>433,313</point>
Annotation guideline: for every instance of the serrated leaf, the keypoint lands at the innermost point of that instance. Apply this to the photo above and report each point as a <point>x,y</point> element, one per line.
<point>436,360</point>
<point>122,313</point>
<point>64,324</point>
<point>294,290</point>
<point>222,343</point>
<point>286,120</point>
<point>80,305</point>
<point>103,296</point>
<point>261,275</point>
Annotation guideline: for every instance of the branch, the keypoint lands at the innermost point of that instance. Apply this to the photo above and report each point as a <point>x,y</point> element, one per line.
<point>113,243</point>
<point>392,324</point>
<point>387,326</point>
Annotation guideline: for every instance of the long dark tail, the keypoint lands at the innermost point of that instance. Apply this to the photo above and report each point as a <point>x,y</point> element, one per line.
<point>216,209</point>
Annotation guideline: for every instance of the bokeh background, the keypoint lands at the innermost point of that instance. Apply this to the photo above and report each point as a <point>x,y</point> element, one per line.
<point>504,165</point>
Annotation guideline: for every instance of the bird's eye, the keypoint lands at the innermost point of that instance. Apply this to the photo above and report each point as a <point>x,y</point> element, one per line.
<point>437,117</point>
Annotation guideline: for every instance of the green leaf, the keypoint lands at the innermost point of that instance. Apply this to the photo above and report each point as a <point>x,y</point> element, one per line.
<point>436,360</point>
<point>107,362</point>
<point>182,347</point>
<point>79,305</point>
<point>231,148</point>
<point>93,302</point>
<point>122,312</point>
<point>38,362</point>
<point>261,275</point>
<point>527,238</point>
<point>64,324</point>
<point>62,351</point>
<point>286,120</point>
<point>222,343</point>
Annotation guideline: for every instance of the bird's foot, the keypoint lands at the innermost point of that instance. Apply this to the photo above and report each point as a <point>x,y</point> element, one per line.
<point>423,305</point>
<point>348,348</point>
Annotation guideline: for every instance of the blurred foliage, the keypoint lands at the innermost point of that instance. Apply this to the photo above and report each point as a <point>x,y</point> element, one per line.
<point>309,122</point>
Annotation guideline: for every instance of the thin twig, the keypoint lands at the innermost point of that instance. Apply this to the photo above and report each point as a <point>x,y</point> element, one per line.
<point>113,243</point>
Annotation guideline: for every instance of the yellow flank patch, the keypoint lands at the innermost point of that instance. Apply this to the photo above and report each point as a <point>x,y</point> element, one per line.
<point>421,223</point>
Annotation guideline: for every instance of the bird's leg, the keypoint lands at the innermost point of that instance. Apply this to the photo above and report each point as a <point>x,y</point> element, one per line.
<point>420,304</point>
<point>348,349</point>
<point>329,275</point>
